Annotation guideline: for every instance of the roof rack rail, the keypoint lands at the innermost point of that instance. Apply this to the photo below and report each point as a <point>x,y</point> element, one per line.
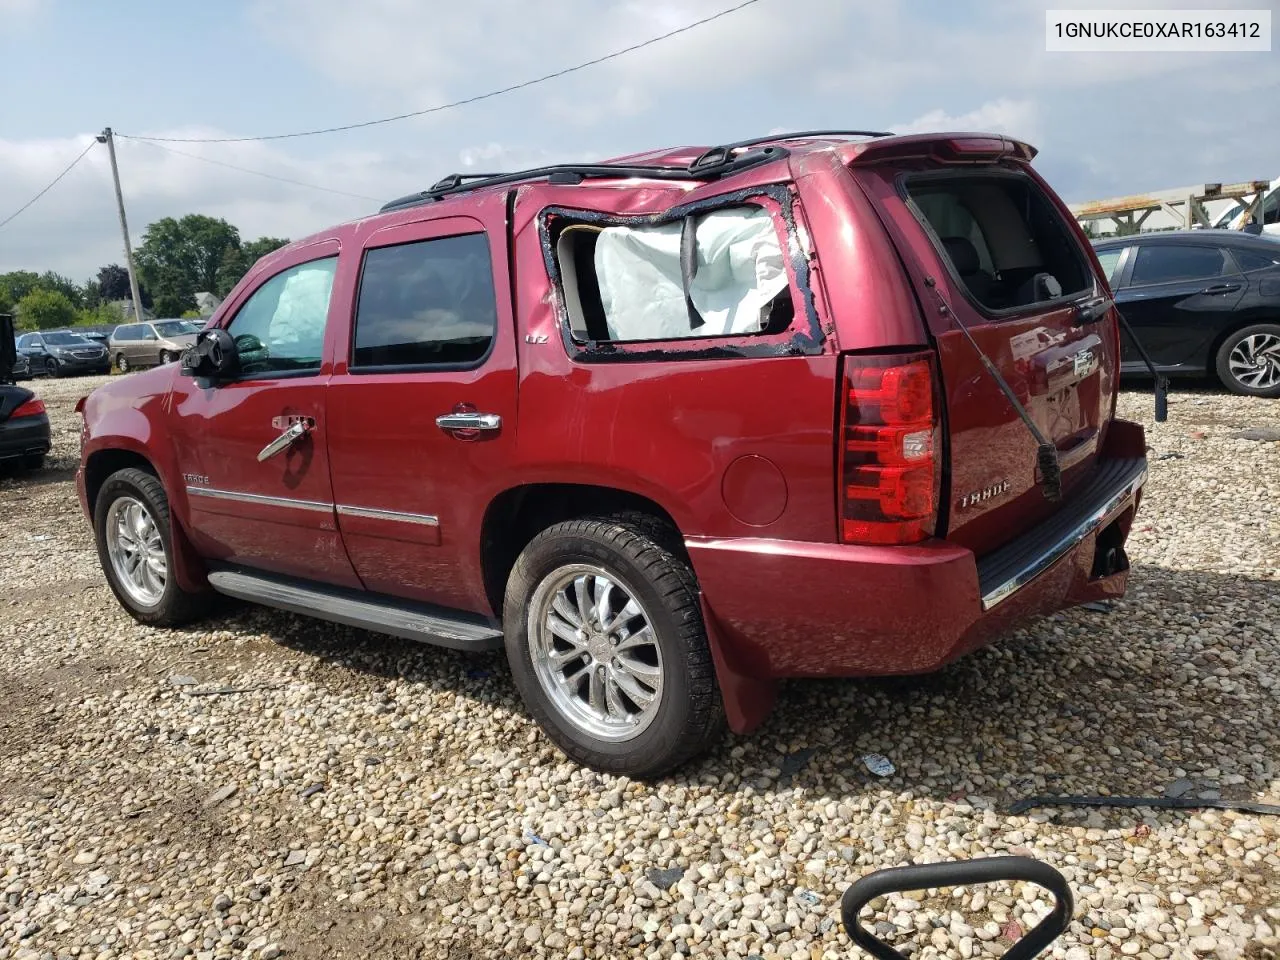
<point>714,163</point>
<point>807,135</point>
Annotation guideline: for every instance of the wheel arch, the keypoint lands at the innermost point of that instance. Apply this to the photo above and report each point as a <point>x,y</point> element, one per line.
<point>519,513</point>
<point>106,460</point>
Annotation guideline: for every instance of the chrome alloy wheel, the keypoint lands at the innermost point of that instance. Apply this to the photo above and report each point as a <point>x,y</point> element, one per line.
<point>136,551</point>
<point>595,653</point>
<point>1255,361</point>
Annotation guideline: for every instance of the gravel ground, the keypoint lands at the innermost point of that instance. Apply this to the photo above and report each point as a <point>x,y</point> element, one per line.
<point>267,785</point>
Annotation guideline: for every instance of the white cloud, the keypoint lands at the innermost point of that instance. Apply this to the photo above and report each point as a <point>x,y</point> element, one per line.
<point>1015,118</point>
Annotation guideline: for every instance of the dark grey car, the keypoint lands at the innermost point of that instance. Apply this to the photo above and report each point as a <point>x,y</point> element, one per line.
<point>61,352</point>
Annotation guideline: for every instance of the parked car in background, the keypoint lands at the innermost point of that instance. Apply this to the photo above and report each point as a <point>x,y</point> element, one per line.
<point>25,435</point>
<point>1267,216</point>
<point>59,353</point>
<point>1202,302</point>
<point>24,428</point>
<point>135,345</point>
<point>606,415</point>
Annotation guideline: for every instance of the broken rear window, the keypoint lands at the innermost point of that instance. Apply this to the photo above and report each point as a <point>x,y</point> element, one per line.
<point>1004,240</point>
<point>716,274</point>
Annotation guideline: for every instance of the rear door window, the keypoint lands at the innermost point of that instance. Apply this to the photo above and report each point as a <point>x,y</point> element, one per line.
<point>426,303</point>
<point>1168,263</point>
<point>1002,238</point>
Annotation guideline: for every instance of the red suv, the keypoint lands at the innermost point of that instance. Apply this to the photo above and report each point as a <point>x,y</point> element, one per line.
<point>670,428</point>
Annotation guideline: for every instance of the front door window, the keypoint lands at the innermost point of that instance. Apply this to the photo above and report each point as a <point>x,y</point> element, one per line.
<point>280,329</point>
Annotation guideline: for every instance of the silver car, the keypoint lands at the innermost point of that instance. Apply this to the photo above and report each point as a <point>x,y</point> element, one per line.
<point>147,344</point>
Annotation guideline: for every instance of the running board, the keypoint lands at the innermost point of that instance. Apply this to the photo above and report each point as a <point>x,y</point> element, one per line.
<point>369,611</point>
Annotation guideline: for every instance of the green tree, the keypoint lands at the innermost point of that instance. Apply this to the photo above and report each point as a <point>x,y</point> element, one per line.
<point>63,285</point>
<point>238,262</point>
<point>45,309</point>
<point>17,284</point>
<point>103,314</point>
<point>180,258</point>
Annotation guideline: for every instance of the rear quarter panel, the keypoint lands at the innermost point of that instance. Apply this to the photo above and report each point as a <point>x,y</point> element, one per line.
<point>671,426</point>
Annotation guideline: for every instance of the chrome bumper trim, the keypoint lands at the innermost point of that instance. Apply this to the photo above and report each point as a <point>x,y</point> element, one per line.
<point>1065,543</point>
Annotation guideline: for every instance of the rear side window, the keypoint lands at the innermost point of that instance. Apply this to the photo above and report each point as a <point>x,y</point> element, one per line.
<point>716,274</point>
<point>1002,238</point>
<point>1251,260</point>
<point>426,303</point>
<point>1166,263</point>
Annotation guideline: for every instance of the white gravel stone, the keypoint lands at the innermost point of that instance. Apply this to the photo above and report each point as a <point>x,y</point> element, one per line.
<point>431,815</point>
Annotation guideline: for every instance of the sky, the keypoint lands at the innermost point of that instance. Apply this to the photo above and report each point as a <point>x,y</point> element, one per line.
<point>1106,124</point>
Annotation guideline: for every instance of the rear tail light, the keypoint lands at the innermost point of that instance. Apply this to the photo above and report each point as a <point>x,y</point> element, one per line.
<point>32,408</point>
<point>889,477</point>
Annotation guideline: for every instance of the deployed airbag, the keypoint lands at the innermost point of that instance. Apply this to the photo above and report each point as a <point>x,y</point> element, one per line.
<point>739,273</point>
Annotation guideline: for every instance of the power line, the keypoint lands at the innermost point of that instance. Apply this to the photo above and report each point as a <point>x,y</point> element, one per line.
<point>459,103</point>
<point>258,173</point>
<point>51,184</point>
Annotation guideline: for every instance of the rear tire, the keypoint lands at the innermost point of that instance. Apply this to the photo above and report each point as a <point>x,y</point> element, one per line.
<point>643,699</point>
<point>1248,361</point>
<point>131,526</point>
<point>54,368</point>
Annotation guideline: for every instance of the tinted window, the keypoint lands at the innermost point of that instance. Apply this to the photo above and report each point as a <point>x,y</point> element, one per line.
<point>1004,239</point>
<point>425,303</point>
<point>173,328</point>
<point>281,326</point>
<point>1164,263</point>
<point>1255,259</point>
<point>65,339</point>
<point>1109,260</point>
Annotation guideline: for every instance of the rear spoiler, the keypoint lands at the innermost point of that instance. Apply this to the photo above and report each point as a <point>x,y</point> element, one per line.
<point>942,147</point>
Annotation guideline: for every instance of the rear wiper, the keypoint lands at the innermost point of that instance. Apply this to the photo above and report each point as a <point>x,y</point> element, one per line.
<point>1046,451</point>
<point>1091,311</point>
<point>1162,382</point>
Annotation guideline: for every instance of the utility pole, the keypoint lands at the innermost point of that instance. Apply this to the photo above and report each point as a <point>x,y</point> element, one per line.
<point>105,137</point>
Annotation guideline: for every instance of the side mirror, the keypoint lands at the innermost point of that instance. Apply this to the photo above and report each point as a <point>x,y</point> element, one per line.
<point>214,356</point>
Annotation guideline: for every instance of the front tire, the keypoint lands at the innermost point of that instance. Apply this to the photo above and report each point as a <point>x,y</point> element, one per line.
<point>607,646</point>
<point>167,357</point>
<point>1248,361</point>
<point>122,363</point>
<point>131,524</point>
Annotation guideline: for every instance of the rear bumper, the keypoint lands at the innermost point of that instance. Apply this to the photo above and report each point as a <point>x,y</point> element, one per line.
<point>26,437</point>
<point>793,609</point>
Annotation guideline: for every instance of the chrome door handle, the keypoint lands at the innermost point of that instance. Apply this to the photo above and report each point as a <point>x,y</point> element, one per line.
<point>297,431</point>
<point>468,421</point>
